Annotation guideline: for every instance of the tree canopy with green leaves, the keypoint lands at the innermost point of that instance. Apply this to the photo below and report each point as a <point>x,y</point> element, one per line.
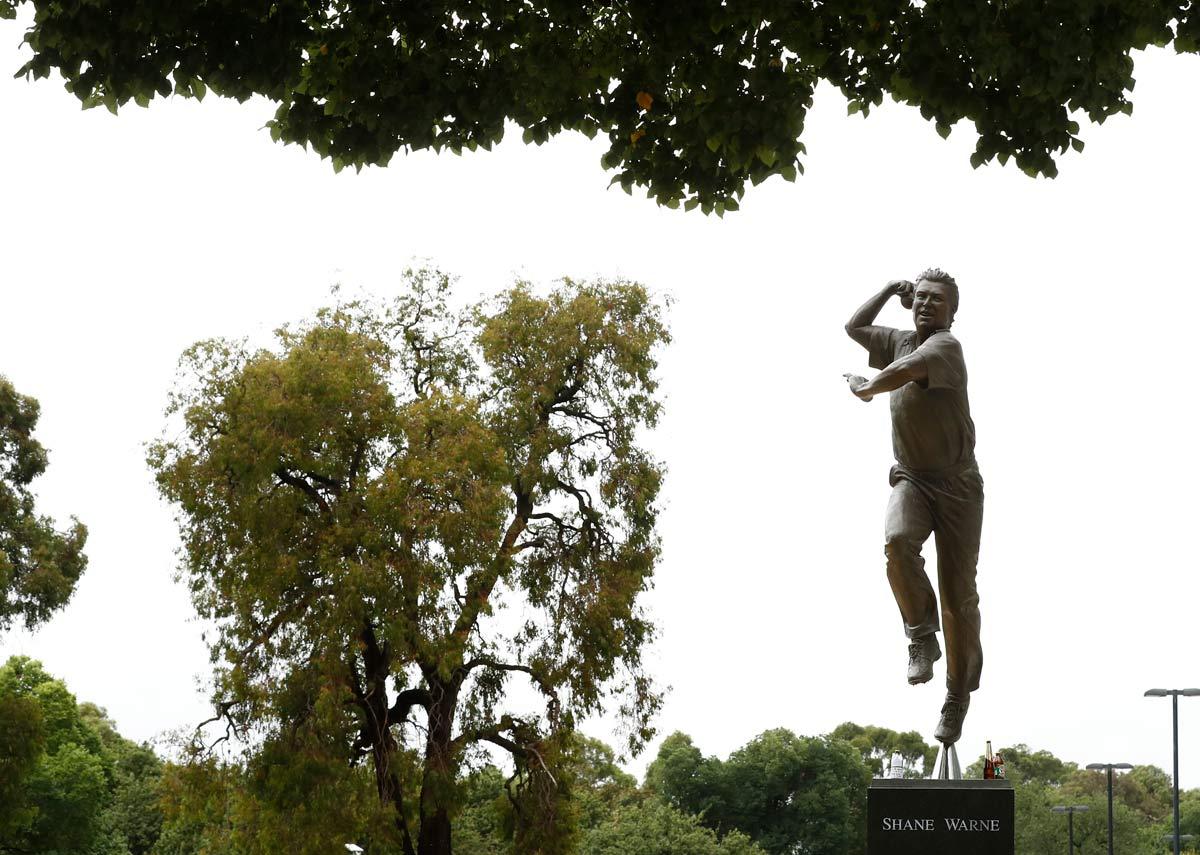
<point>787,793</point>
<point>694,99</point>
<point>1141,803</point>
<point>398,508</point>
<point>878,744</point>
<point>39,565</point>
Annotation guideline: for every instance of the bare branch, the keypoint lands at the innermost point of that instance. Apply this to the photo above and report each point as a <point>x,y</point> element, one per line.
<point>559,521</point>
<point>231,727</point>
<point>542,683</point>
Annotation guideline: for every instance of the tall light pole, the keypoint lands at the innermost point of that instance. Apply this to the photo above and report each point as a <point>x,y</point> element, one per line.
<point>1108,767</point>
<point>1174,693</point>
<point>1070,811</point>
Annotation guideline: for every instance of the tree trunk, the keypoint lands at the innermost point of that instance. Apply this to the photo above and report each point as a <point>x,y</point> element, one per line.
<point>435,834</point>
<point>387,783</point>
<point>437,783</point>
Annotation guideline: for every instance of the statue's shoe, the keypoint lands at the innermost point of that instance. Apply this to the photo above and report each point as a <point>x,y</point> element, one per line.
<point>954,710</point>
<point>922,653</point>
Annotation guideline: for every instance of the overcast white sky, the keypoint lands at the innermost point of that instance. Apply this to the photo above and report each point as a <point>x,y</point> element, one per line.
<point>123,240</point>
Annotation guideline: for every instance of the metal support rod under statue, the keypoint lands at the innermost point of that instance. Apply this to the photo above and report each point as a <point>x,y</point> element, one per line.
<point>947,768</point>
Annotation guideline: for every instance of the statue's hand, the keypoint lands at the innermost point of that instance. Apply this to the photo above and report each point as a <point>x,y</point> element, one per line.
<point>856,382</point>
<point>904,290</point>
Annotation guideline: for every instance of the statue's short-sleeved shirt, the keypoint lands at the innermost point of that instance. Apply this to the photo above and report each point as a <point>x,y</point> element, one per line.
<point>932,431</point>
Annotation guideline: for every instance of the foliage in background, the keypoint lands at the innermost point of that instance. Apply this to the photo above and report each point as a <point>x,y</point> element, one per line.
<point>398,509</point>
<point>69,783</point>
<point>694,99</point>
<point>610,813</point>
<point>292,801</point>
<point>84,790</point>
<point>650,827</point>
<point>787,793</point>
<point>878,744</point>
<point>39,566</point>
<point>1141,804</point>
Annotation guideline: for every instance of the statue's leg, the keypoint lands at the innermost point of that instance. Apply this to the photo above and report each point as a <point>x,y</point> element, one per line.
<point>907,525</point>
<point>959,519</point>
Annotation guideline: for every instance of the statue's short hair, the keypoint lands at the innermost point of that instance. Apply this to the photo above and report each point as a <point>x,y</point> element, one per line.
<point>936,274</point>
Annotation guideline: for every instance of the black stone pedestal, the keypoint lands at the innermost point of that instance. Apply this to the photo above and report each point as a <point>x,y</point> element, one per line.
<point>919,816</point>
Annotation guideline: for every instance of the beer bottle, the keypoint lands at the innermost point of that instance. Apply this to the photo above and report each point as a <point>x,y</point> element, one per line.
<point>998,766</point>
<point>989,766</point>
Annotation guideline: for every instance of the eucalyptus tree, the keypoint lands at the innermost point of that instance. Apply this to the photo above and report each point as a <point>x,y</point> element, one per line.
<point>397,509</point>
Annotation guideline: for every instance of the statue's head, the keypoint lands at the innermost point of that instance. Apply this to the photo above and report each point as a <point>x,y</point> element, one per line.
<point>935,300</point>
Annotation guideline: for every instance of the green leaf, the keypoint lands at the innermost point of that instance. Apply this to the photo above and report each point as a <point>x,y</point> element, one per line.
<point>943,130</point>
<point>853,107</point>
<point>713,144</point>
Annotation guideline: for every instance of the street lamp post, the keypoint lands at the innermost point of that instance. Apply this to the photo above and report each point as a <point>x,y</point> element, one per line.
<point>1070,811</point>
<point>1108,768</point>
<point>1174,693</point>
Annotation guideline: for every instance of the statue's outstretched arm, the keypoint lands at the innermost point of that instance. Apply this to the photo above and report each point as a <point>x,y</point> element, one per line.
<point>906,369</point>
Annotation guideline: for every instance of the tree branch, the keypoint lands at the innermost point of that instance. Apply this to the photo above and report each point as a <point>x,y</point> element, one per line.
<point>405,701</point>
<point>231,728</point>
<point>542,683</point>
<point>303,486</point>
<point>330,483</point>
<point>481,583</point>
<point>492,733</point>
<point>356,460</point>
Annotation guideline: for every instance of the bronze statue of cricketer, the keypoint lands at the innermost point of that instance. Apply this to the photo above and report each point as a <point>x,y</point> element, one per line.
<point>936,487</point>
